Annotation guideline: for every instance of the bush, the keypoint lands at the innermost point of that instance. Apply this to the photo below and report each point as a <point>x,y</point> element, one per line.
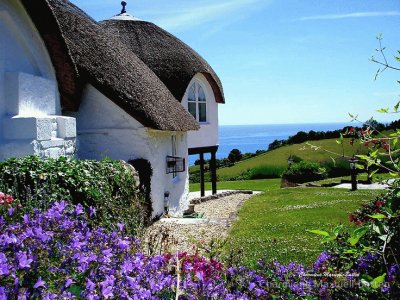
<point>304,172</point>
<point>265,172</point>
<point>339,167</point>
<point>107,185</point>
<point>235,155</point>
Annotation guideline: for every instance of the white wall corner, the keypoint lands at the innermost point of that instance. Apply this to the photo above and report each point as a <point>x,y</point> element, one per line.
<point>66,127</point>
<point>28,95</point>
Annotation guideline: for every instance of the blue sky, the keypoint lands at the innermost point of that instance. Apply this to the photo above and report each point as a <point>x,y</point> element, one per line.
<point>284,61</point>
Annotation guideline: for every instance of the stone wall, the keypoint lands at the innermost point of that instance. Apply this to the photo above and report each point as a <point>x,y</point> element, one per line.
<point>51,136</point>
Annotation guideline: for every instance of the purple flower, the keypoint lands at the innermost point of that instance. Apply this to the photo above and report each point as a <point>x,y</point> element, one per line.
<point>121,226</point>
<point>39,283</point>
<point>107,291</point>
<point>123,244</point>
<point>3,293</point>
<point>92,211</point>
<point>26,219</point>
<point>23,261</point>
<point>78,210</point>
<point>200,275</point>
<point>60,206</point>
<point>50,296</point>
<point>4,268</point>
<point>319,263</point>
<point>68,282</point>
<point>90,285</point>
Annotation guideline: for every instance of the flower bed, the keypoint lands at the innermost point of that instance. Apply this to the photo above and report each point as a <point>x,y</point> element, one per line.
<point>55,254</point>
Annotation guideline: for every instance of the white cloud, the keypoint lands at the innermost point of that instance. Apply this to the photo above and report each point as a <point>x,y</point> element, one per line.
<point>351,15</point>
<point>190,16</point>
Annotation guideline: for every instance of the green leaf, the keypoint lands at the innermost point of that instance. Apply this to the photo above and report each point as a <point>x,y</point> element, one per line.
<point>363,157</point>
<point>377,216</point>
<point>383,110</point>
<point>395,141</point>
<point>374,172</point>
<point>75,290</point>
<point>360,167</point>
<point>396,107</point>
<point>320,232</point>
<point>377,282</point>
<point>357,235</point>
<point>350,252</point>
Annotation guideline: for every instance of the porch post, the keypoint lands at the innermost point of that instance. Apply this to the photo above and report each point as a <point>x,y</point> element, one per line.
<point>213,167</point>
<point>202,188</point>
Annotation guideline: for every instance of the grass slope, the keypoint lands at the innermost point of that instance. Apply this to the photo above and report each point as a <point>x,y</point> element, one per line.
<point>278,158</point>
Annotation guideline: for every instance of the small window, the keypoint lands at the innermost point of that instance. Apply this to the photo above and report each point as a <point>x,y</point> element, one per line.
<point>175,164</point>
<point>197,102</point>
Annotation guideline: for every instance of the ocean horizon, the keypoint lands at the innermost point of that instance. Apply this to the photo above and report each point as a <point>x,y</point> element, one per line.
<point>250,138</point>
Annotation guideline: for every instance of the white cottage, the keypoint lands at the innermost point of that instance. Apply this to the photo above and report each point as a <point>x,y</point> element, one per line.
<point>122,88</point>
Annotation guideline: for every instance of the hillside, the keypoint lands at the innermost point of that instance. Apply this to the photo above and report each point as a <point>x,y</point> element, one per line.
<point>276,160</point>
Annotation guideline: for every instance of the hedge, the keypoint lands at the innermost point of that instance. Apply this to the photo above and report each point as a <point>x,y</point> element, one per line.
<point>107,185</point>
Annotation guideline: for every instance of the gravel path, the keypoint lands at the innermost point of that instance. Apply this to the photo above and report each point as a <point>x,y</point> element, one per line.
<point>171,235</point>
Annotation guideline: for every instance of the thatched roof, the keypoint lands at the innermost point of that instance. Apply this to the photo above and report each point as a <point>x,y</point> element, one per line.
<point>83,52</point>
<point>174,62</point>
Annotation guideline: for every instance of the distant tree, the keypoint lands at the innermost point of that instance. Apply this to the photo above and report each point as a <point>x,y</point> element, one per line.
<point>298,138</point>
<point>235,155</point>
<point>276,144</point>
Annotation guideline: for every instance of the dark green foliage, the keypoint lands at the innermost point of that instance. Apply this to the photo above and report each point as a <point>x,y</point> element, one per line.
<point>337,168</point>
<point>304,172</point>
<point>277,144</point>
<point>265,172</point>
<point>106,185</point>
<point>235,155</point>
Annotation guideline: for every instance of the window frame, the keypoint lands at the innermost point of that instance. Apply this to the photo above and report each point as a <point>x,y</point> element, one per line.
<point>196,86</point>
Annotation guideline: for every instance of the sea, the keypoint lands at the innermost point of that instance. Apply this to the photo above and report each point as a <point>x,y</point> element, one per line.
<point>250,138</point>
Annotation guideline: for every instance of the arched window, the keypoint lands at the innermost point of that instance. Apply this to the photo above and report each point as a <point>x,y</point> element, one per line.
<point>197,102</point>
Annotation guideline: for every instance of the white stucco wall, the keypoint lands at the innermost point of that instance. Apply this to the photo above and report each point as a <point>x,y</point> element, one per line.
<point>105,130</point>
<point>208,133</point>
<point>30,113</point>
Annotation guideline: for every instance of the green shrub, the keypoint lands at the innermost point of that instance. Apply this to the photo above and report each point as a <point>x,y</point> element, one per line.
<point>108,186</point>
<point>265,172</point>
<point>304,172</point>
<point>337,168</point>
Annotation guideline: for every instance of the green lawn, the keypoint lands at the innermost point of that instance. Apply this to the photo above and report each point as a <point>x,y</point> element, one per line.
<point>273,225</point>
